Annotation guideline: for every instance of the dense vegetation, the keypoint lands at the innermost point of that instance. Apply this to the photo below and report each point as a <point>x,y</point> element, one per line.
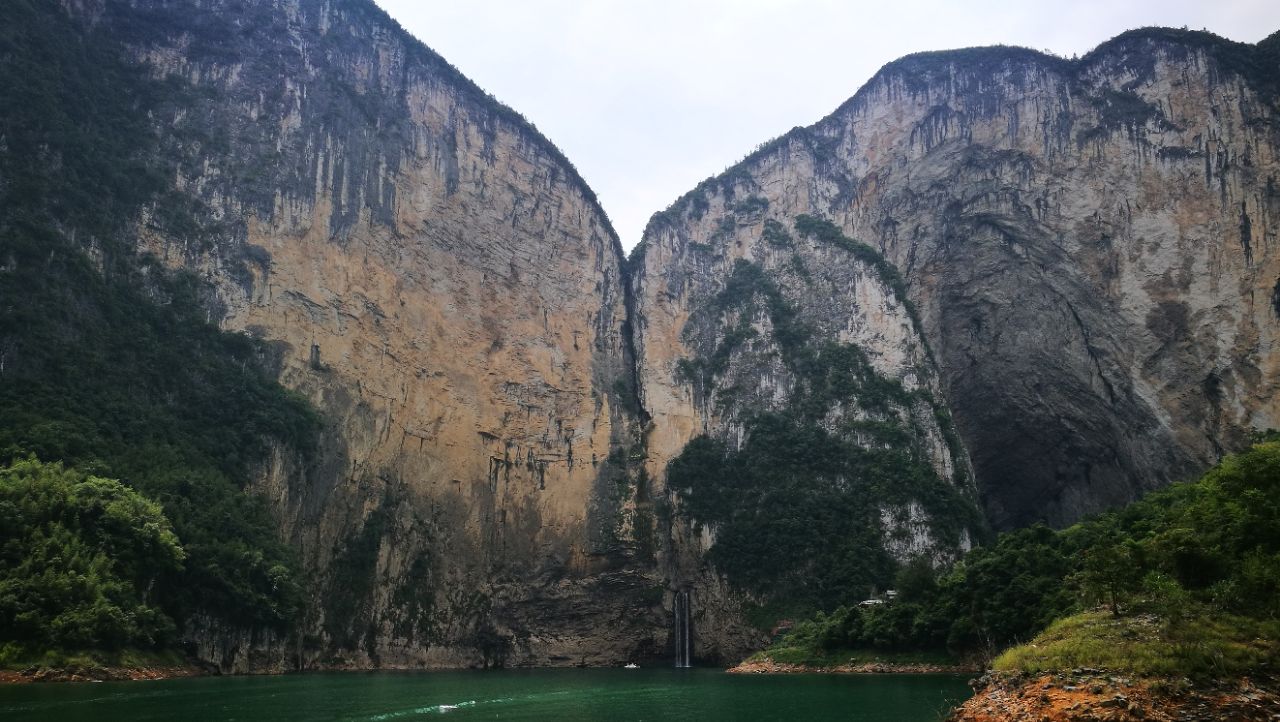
<point>108,362</point>
<point>1187,578</point>
<point>101,376</point>
<point>797,509</point>
<point>80,559</point>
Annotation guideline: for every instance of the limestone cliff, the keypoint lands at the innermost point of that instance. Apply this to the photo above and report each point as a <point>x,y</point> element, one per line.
<point>1090,244</point>
<point>446,289</point>
<point>533,448</point>
<point>799,430</point>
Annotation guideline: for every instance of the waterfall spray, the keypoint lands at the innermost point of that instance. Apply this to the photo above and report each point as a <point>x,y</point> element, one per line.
<point>682,636</point>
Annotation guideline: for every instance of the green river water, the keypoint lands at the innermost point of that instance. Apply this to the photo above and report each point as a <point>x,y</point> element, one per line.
<point>559,695</point>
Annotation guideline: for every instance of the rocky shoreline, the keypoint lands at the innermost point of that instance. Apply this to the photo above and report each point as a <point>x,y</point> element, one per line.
<point>1091,694</point>
<point>95,674</point>
<point>768,666</point>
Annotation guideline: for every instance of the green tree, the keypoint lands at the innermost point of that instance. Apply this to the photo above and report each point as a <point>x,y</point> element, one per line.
<point>1111,574</point>
<point>917,580</point>
<point>80,560</point>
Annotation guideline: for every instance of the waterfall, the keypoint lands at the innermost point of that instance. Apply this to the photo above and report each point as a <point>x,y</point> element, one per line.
<point>683,642</point>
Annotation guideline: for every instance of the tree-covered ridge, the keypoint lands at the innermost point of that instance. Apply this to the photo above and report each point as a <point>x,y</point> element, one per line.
<point>1177,570</point>
<point>798,507</point>
<point>109,362</point>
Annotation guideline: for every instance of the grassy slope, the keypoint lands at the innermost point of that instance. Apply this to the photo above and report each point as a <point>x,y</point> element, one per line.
<point>1201,645</point>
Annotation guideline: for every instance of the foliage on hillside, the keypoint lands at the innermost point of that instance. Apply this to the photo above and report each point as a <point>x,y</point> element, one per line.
<point>1189,575</point>
<point>108,362</point>
<point>797,509</point>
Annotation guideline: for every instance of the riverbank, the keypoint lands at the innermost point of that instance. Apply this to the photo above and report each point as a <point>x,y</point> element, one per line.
<point>95,674</point>
<point>1088,694</point>
<point>18,666</point>
<point>767,665</point>
<point>1097,665</point>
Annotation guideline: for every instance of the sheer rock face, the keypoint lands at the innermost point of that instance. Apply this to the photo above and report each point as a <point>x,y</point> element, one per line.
<point>679,282</point>
<point>445,288</point>
<point>1091,245</point>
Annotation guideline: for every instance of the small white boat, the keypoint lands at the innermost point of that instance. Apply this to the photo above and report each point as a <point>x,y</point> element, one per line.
<point>631,665</point>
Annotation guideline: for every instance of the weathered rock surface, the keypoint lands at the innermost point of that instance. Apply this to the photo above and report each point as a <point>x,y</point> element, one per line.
<point>446,289</point>
<point>1090,244</point>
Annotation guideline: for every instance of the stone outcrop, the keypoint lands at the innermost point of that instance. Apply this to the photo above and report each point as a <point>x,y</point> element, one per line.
<point>1097,695</point>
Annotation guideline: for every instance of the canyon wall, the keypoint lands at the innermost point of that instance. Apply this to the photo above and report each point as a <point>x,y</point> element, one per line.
<point>992,281</point>
<point>1090,244</point>
<point>437,279</point>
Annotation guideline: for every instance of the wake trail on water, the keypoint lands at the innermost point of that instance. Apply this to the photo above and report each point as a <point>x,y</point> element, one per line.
<point>563,697</point>
<point>447,708</point>
<point>436,708</point>
<point>520,701</point>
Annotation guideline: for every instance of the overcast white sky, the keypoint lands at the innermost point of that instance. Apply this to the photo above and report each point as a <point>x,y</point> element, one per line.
<point>648,97</point>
